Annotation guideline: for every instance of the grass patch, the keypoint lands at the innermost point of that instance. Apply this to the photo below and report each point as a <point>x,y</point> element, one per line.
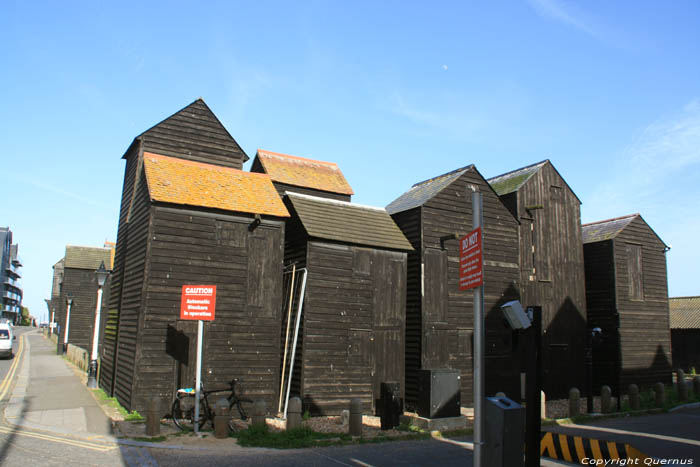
<point>261,436</point>
<point>133,417</point>
<point>104,399</point>
<point>157,439</point>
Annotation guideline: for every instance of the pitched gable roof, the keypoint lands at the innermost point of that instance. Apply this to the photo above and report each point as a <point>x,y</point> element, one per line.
<point>181,123</point>
<point>302,172</point>
<point>85,257</point>
<point>684,312</point>
<point>513,180</point>
<point>424,191</point>
<point>348,222</point>
<point>608,229</point>
<point>188,183</point>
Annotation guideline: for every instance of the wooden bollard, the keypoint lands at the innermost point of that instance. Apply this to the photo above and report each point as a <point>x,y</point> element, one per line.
<point>153,417</point>
<point>605,399</point>
<point>574,402</point>
<point>294,413</point>
<point>259,412</point>
<point>633,393</point>
<point>355,425</point>
<point>660,396</point>
<point>221,418</point>
<point>696,385</point>
<point>682,387</point>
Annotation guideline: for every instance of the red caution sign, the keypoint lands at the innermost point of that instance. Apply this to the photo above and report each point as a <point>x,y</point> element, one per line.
<point>198,302</point>
<point>471,273</point>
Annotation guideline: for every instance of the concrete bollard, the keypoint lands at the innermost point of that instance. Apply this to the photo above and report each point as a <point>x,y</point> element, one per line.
<point>222,417</point>
<point>543,405</point>
<point>660,396</point>
<point>153,417</point>
<point>500,394</point>
<point>259,412</point>
<point>633,393</point>
<point>345,417</point>
<point>574,402</point>
<point>696,385</point>
<point>605,399</point>
<point>682,387</point>
<point>294,413</point>
<point>355,424</point>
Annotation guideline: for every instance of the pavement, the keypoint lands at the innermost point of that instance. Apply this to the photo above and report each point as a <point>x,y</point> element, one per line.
<point>50,402</point>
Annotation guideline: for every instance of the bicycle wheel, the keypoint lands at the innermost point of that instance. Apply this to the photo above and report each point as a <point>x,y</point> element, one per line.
<point>238,413</point>
<point>183,418</point>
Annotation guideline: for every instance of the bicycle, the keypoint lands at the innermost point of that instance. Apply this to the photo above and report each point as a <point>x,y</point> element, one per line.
<point>182,410</point>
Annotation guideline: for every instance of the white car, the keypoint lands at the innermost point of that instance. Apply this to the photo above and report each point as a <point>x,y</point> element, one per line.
<point>6,338</point>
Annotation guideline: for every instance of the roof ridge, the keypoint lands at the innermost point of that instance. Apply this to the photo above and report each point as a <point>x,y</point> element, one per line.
<point>85,246</point>
<point>611,220</point>
<point>451,172</point>
<point>333,201</point>
<point>518,170</point>
<point>204,165</point>
<point>686,297</point>
<point>289,156</point>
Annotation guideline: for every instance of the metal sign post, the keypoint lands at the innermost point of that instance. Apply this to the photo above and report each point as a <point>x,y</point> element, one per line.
<point>198,302</point>
<point>471,276</point>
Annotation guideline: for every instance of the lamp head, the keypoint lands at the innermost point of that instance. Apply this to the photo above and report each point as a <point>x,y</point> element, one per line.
<point>101,274</point>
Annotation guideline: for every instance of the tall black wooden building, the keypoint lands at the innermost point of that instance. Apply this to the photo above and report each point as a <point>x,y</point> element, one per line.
<point>627,296</point>
<point>193,218</point>
<point>77,277</point>
<point>551,267</point>
<point>439,317</point>
<point>685,332</point>
<point>353,325</point>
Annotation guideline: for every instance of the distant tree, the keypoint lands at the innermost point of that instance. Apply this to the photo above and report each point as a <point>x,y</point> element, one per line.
<point>26,319</point>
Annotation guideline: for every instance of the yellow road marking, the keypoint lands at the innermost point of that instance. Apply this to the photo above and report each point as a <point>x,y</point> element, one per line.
<point>5,386</point>
<point>565,448</point>
<point>56,439</point>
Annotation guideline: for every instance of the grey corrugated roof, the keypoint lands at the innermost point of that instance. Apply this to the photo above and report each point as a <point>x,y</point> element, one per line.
<point>684,312</point>
<point>422,192</point>
<point>348,222</point>
<point>83,257</point>
<point>512,181</point>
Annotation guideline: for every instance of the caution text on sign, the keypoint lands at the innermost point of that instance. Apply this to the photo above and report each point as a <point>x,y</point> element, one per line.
<point>198,302</point>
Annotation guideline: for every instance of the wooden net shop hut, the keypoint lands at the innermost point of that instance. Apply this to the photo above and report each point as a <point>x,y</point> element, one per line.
<point>189,215</point>
<point>352,336</point>
<point>685,332</point>
<point>439,316</point>
<point>627,296</point>
<point>551,267</point>
<point>77,278</point>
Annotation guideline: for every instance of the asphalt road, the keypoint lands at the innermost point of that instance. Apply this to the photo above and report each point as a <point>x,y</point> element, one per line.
<point>6,363</point>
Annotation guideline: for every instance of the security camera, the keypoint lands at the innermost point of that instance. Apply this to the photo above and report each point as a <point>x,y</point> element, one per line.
<point>516,317</point>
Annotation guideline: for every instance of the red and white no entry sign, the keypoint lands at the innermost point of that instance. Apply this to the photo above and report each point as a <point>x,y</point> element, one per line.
<point>198,302</point>
<point>471,260</point>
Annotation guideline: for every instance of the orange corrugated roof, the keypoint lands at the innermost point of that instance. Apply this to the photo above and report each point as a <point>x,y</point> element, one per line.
<point>299,171</point>
<point>179,181</point>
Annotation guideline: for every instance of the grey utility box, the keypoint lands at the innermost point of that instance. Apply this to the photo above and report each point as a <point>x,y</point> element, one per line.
<point>504,433</point>
<point>439,393</point>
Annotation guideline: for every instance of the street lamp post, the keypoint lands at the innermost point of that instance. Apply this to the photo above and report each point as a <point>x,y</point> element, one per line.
<point>101,276</point>
<point>69,303</point>
<point>48,306</point>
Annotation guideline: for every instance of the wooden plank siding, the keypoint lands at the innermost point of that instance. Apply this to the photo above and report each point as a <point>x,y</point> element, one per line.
<point>109,348</point>
<point>447,334</point>
<point>193,247</point>
<point>194,133</point>
<point>439,317</point>
<point>645,338</point>
<point>353,325</point>
<point>552,275</point>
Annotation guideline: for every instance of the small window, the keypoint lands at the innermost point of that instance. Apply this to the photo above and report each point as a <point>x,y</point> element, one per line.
<point>634,271</point>
<point>4,334</point>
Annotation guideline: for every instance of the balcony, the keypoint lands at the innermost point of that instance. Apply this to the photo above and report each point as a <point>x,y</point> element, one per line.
<point>11,296</point>
<point>13,271</point>
<point>12,282</point>
<point>17,261</point>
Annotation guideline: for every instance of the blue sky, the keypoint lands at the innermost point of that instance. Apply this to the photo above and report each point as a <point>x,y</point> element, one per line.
<point>394,92</point>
